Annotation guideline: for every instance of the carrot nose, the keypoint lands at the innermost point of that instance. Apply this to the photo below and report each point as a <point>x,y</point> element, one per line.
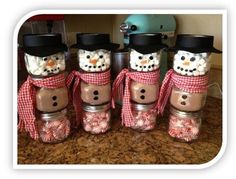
<point>93,61</point>
<point>144,62</point>
<point>186,63</point>
<point>50,62</point>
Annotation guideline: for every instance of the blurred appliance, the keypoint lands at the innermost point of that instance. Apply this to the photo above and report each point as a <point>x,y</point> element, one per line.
<point>151,23</point>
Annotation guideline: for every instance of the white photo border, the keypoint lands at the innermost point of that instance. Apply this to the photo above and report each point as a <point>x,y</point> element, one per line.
<point>222,12</point>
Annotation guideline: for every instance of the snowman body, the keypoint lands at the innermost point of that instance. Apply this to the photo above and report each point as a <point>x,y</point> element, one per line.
<point>96,98</point>
<point>189,64</point>
<point>52,124</point>
<point>143,96</point>
<point>94,62</point>
<point>48,100</point>
<point>144,93</point>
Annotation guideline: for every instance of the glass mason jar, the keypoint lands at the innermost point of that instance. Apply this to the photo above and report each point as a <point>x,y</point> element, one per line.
<point>53,127</point>
<point>45,66</point>
<point>95,94</point>
<point>184,126</point>
<point>94,61</point>
<point>96,119</point>
<point>186,101</point>
<point>144,117</point>
<point>51,100</point>
<point>191,64</point>
<point>144,93</point>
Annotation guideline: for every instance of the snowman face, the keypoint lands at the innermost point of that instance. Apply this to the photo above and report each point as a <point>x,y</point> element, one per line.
<point>45,66</point>
<point>94,61</point>
<point>191,64</point>
<point>144,62</point>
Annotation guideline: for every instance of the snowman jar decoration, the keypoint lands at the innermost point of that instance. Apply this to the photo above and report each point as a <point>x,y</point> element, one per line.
<point>92,87</point>
<point>44,95</point>
<point>141,82</point>
<point>185,86</point>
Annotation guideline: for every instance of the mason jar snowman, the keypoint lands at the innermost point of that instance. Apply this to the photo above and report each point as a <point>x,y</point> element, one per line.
<point>141,81</point>
<point>185,86</point>
<point>43,98</point>
<point>92,87</point>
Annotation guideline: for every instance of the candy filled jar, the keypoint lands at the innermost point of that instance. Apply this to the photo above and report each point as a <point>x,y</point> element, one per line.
<point>96,119</point>
<point>184,126</point>
<point>53,127</point>
<point>144,117</point>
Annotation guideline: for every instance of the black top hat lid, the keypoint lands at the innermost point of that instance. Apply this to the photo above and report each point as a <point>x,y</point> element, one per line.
<point>94,41</point>
<point>195,43</point>
<point>43,44</point>
<point>146,42</point>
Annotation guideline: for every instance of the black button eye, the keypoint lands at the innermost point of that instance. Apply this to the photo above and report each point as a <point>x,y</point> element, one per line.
<point>54,97</point>
<point>101,56</point>
<point>182,58</point>
<point>151,57</point>
<point>54,104</point>
<point>88,56</point>
<point>57,58</point>
<point>192,59</point>
<point>95,92</point>
<point>143,91</point>
<point>45,59</point>
<point>140,57</point>
<point>95,98</point>
<point>142,97</point>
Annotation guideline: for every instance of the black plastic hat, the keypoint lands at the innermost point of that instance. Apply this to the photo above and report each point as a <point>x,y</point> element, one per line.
<point>195,43</point>
<point>146,42</point>
<point>43,44</point>
<point>94,41</point>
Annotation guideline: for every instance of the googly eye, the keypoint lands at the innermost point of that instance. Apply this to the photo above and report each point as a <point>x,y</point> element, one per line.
<point>183,57</point>
<point>88,56</point>
<point>151,57</point>
<point>192,59</point>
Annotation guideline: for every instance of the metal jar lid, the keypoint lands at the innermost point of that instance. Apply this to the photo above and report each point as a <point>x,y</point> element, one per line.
<point>142,107</point>
<point>185,114</point>
<point>53,116</point>
<point>95,108</point>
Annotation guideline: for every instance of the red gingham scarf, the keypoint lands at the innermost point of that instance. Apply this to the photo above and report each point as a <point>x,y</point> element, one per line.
<point>142,77</point>
<point>101,78</point>
<point>26,100</point>
<point>190,84</point>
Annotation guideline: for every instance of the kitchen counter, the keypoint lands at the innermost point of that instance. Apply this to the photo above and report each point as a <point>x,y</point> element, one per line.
<point>122,145</point>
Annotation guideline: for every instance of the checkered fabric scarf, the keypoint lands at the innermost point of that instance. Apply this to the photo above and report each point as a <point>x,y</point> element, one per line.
<point>190,84</point>
<point>141,77</point>
<point>26,100</point>
<point>101,78</point>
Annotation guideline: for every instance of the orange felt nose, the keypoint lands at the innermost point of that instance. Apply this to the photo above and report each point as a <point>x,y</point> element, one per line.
<point>186,63</point>
<point>51,62</point>
<point>144,62</point>
<point>93,61</point>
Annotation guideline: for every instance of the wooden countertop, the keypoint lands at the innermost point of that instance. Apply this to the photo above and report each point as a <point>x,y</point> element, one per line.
<point>122,145</point>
